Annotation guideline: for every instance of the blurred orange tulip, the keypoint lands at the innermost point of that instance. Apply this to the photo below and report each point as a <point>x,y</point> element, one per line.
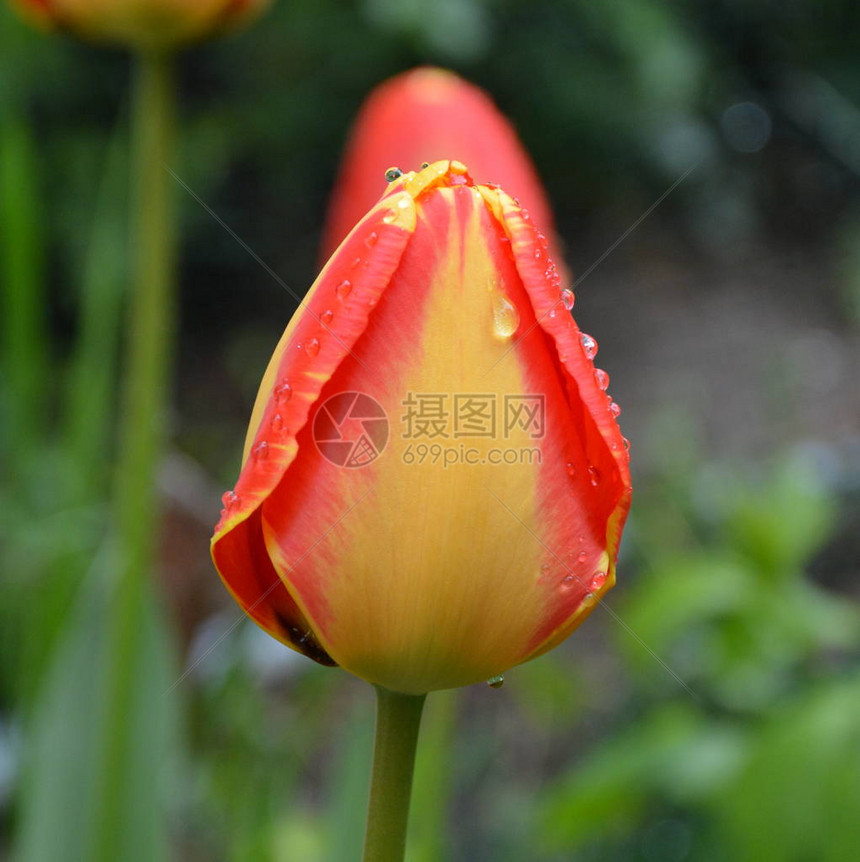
<point>146,24</point>
<point>434,483</point>
<point>425,115</point>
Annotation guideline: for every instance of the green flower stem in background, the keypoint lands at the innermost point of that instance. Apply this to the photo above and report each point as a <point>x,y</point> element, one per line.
<point>24,344</point>
<point>398,717</point>
<point>147,361</point>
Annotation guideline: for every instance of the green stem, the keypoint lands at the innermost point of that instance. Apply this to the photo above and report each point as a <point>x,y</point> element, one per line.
<point>398,717</point>
<point>147,364</point>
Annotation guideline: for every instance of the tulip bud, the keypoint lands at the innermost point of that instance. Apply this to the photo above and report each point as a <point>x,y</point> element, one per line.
<point>142,24</point>
<point>434,483</point>
<point>425,115</point>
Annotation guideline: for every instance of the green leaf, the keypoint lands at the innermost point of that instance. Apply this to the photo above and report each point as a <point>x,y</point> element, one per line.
<point>59,812</point>
<point>797,797</point>
<point>781,523</point>
<point>671,753</point>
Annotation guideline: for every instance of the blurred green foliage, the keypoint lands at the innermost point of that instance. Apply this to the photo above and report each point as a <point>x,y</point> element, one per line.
<point>714,713</point>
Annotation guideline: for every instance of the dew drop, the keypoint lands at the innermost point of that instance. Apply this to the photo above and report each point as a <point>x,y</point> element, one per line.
<point>356,262</point>
<point>506,318</point>
<point>594,475</point>
<point>553,313</point>
<point>229,499</point>
<point>343,289</point>
<point>568,582</point>
<point>567,299</point>
<point>571,469</point>
<point>393,174</point>
<point>261,451</point>
<point>277,423</point>
<point>326,317</point>
<point>597,581</point>
<point>283,392</point>
<point>626,443</point>
<point>496,681</point>
<point>589,599</point>
<point>312,348</point>
<point>614,409</point>
<point>582,557</point>
<point>589,346</point>
<point>602,378</point>
<point>371,239</point>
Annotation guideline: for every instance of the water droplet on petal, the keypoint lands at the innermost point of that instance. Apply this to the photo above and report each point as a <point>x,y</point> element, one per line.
<point>356,262</point>
<point>568,582</point>
<point>496,681</point>
<point>312,348</point>
<point>371,239</point>
<point>393,174</point>
<point>261,451</point>
<point>229,499</point>
<point>582,557</point>
<point>343,289</point>
<point>506,318</point>
<point>614,409</point>
<point>283,392</point>
<point>277,423</point>
<point>597,581</point>
<point>602,378</point>
<point>589,346</point>
<point>589,599</point>
<point>594,475</point>
<point>571,469</point>
<point>326,317</point>
<point>567,299</point>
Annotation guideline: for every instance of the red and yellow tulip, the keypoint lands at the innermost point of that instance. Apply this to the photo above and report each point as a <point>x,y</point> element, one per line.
<point>412,571</point>
<point>149,24</point>
<point>424,115</point>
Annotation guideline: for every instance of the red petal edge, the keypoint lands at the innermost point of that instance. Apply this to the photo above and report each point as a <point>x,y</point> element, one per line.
<point>310,351</point>
<point>542,281</point>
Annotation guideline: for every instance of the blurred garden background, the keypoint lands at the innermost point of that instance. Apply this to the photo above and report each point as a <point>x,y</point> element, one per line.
<point>703,161</point>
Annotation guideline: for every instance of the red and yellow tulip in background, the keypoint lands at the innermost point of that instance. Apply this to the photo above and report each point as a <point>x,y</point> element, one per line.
<point>419,573</point>
<point>147,24</point>
<point>425,115</point>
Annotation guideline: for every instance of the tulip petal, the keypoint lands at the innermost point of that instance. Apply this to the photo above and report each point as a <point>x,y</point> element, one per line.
<point>606,460</point>
<point>312,347</point>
